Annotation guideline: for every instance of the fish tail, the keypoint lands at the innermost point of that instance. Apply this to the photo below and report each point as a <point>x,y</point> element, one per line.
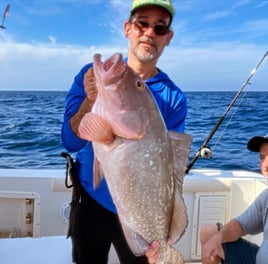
<point>170,255</point>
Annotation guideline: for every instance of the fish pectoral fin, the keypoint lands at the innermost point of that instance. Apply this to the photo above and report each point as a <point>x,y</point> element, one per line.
<point>97,173</point>
<point>136,243</point>
<point>95,128</point>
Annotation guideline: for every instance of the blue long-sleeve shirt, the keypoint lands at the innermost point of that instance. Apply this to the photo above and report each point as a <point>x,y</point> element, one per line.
<point>171,102</point>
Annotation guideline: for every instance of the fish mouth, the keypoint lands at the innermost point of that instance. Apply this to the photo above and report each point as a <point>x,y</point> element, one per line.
<point>113,70</point>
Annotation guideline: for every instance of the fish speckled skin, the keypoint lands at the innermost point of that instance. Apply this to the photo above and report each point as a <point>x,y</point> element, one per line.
<point>144,165</point>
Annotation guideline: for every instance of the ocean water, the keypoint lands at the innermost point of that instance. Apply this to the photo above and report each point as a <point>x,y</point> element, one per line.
<point>30,125</point>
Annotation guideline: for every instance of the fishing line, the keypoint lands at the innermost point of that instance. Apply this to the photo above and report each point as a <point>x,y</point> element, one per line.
<point>233,114</point>
<point>205,151</point>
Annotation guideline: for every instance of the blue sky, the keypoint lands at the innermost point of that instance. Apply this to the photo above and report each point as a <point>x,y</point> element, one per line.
<point>216,43</point>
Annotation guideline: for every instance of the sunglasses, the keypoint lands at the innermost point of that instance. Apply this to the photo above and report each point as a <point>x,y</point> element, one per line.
<point>142,26</point>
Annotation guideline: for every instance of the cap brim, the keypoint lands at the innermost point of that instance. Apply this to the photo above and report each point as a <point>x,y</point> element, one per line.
<point>255,143</point>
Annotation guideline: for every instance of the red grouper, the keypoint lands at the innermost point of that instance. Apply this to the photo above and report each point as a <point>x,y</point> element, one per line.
<point>143,163</point>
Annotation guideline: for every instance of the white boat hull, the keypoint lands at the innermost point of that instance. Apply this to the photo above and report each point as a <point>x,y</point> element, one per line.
<point>35,203</point>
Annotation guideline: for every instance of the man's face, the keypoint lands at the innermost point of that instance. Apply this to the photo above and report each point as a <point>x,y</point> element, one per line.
<point>144,41</point>
<point>264,159</point>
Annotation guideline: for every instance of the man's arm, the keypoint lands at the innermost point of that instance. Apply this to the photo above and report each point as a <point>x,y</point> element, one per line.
<point>212,248</point>
<point>75,120</point>
<point>79,101</point>
<point>231,231</point>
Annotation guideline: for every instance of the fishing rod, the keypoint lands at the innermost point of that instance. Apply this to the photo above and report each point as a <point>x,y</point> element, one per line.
<point>4,16</point>
<point>204,151</point>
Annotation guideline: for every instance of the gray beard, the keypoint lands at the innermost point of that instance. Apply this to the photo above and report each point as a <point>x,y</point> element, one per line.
<point>142,57</point>
<point>145,58</point>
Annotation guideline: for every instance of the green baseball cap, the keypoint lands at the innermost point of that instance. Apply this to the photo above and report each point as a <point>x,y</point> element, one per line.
<point>166,4</point>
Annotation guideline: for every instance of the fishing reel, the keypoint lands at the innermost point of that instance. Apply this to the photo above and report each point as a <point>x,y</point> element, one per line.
<point>206,152</point>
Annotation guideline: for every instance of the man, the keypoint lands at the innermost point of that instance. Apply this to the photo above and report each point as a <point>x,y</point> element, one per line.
<point>224,244</point>
<point>148,31</point>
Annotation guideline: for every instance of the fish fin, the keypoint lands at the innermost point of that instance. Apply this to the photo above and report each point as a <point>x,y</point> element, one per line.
<point>179,220</point>
<point>180,147</point>
<point>180,144</point>
<point>97,175</point>
<point>169,254</point>
<point>136,243</point>
<point>95,128</point>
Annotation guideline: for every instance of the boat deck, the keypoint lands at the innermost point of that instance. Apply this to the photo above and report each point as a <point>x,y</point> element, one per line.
<point>42,250</point>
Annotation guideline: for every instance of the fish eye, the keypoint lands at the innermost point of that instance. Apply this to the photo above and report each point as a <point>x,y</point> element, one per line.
<point>139,85</point>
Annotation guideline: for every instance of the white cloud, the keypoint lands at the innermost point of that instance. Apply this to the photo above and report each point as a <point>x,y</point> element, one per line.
<point>43,66</point>
<point>52,39</point>
<point>262,4</point>
<point>219,14</point>
<point>215,67</point>
<point>255,26</point>
<point>53,67</point>
<point>202,56</point>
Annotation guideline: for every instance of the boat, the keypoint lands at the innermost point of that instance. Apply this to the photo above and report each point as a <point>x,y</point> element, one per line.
<point>35,206</point>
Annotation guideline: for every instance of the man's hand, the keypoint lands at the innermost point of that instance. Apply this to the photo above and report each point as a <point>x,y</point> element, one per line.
<point>152,252</point>
<point>90,85</point>
<point>212,250</point>
<point>86,106</point>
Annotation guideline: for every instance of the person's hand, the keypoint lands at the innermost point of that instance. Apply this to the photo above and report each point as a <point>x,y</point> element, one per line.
<point>212,250</point>
<point>90,85</point>
<point>152,252</point>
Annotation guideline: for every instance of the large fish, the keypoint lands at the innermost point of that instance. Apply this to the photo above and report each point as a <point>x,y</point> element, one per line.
<point>143,163</point>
